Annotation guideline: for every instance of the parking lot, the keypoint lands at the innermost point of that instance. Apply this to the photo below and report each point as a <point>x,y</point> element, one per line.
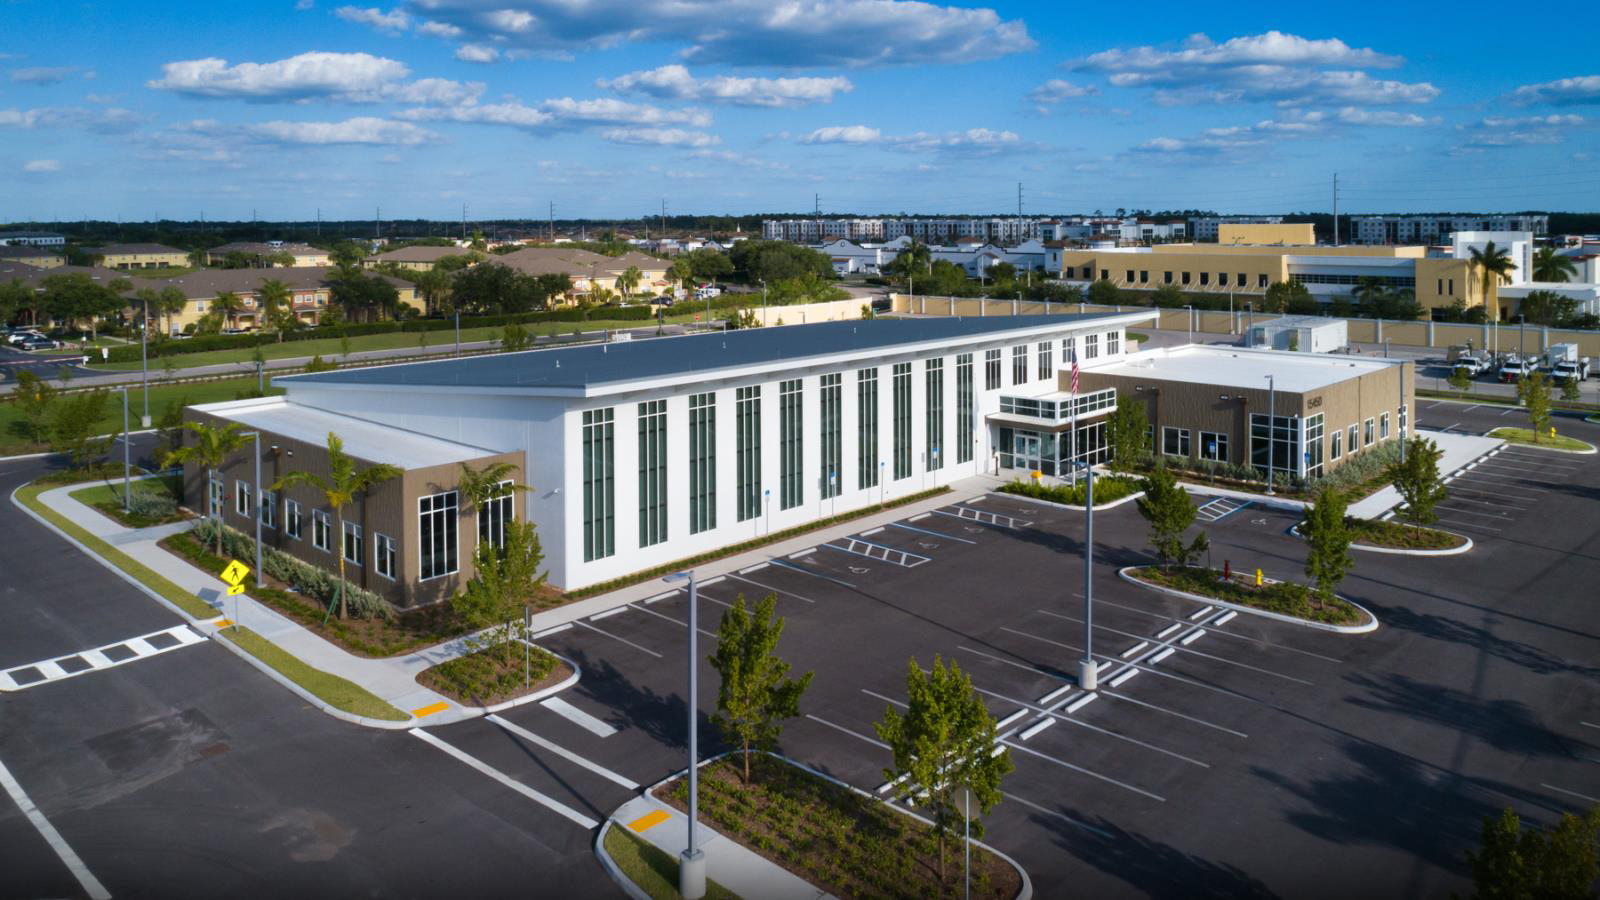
<point>1225,754</point>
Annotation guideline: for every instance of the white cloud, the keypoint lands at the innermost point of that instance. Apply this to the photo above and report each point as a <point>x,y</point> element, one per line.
<point>660,137</point>
<point>113,120</point>
<point>372,17</point>
<point>513,114</point>
<point>1579,91</point>
<point>1275,67</point>
<point>739,159</point>
<point>46,74</point>
<point>843,134</point>
<point>438,30</point>
<point>675,82</point>
<point>435,92</point>
<point>477,53</point>
<point>42,165</point>
<point>314,74</point>
<point>1552,121</point>
<point>606,111</point>
<point>304,5</point>
<point>1516,131</point>
<point>359,130</point>
<point>1056,90</point>
<point>846,33</point>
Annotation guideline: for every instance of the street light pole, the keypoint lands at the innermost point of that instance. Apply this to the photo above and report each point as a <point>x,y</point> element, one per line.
<point>1272,427</point>
<point>144,363</point>
<point>692,862</point>
<point>256,435</point>
<point>1088,671</point>
<point>458,331</point>
<point>1522,336</point>
<point>1191,323</point>
<point>127,460</point>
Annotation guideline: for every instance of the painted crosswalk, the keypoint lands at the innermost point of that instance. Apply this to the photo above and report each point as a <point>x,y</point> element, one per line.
<point>1220,508</point>
<point>109,656</point>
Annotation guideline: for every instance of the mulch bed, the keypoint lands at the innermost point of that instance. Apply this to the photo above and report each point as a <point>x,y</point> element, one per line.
<point>1284,597</point>
<point>485,678</point>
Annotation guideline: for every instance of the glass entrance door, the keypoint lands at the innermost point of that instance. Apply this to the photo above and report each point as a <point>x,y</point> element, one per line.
<point>1026,449</point>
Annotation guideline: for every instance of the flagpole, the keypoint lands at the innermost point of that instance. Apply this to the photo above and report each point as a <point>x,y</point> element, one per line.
<point>1072,419</point>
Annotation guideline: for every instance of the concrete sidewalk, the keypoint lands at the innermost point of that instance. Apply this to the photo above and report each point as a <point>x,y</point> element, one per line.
<point>393,679</point>
<point>1459,450</point>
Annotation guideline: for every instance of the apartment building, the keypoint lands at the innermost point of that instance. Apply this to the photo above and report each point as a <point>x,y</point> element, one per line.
<point>309,295</point>
<point>1208,228</point>
<point>929,230</point>
<point>40,257</point>
<point>140,256</point>
<point>263,254</point>
<point>48,239</point>
<point>1437,229</point>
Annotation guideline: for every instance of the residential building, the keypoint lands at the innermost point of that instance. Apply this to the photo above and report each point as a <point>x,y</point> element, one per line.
<point>417,258</point>
<point>39,257</point>
<point>35,276</point>
<point>1208,228</point>
<point>590,271</point>
<point>650,451</point>
<point>309,295</point>
<point>140,256</point>
<point>262,254</point>
<point>1436,229</point>
<point>48,239</point>
<point>930,230</point>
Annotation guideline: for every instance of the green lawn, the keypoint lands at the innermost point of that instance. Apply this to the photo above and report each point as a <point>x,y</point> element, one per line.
<point>328,348</point>
<point>11,442</point>
<point>650,868</point>
<point>1525,436</point>
<point>337,692</point>
<point>107,498</point>
<point>189,603</point>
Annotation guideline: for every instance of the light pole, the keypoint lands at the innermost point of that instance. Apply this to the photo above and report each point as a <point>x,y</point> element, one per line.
<point>261,378</point>
<point>692,862</point>
<point>1249,321</point>
<point>260,582</point>
<point>144,363</point>
<point>1272,427</point>
<point>1191,323</point>
<point>127,460</point>
<point>1522,335</point>
<point>458,331</point>
<point>1088,671</point>
<point>763,301</point>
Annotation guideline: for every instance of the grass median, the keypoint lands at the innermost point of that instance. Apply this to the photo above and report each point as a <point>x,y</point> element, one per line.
<point>1525,437</point>
<point>650,868</point>
<point>1283,597</point>
<point>335,691</point>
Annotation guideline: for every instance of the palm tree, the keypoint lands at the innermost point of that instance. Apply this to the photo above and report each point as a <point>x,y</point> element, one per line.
<point>211,449</point>
<point>228,304</point>
<point>481,486</point>
<point>1495,262</point>
<point>172,302</point>
<point>629,279</point>
<point>339,488</point>
<point>1548,265</point>
<point>433,283</point>
<point>149,304</point>
<point>274,296</point>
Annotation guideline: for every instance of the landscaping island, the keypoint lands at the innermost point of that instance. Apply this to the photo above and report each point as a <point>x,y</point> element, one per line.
<point>841,841</point>
<point>493,675</point>
<point>1524,437</point>
<point>650,868</point>
<point>1107,489</point>
<point>1389,535</point>
<point>1285,598</point>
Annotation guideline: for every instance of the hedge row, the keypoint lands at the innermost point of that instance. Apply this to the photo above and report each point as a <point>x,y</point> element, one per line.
<point>205,342</point>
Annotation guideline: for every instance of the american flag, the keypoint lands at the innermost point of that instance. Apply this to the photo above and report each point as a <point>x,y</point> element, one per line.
<point>1074,373</point>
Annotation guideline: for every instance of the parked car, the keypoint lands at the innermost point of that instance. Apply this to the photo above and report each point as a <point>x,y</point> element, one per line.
<point>40,342</point>
<point>20,335</point>
<point>1574,368</point>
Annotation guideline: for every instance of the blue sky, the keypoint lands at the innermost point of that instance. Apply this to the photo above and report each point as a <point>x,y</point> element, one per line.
<point>606,107</point>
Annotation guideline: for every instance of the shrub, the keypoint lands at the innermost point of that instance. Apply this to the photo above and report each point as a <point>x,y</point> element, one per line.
<point>1107,488</point>
<point>312,581</point>
<point>150,505</point>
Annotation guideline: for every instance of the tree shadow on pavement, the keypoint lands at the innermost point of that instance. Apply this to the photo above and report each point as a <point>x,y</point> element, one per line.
<point>1440,628</point>
<point>1506,725</point>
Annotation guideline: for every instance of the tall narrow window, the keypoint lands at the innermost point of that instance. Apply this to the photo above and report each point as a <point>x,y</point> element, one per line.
<point>383,555</point>
<point>495,513</point>
<point>702,462</point>
<point>902,419</point>
<point>790,445</point>
<point>964,411</point>
<point>1047,360</point>
<point>1113,343</point>
<point>652,472</point>
<point>599,484</point>
<point>321,524</point>
<point>832,480</point>
<point>1091,346</point>
<point>1069,350</point>
<point>867,427</point>
<point>747,424</point>
<point>241,498</point>
<point>991,370</point>
<point>1019,364</point>
<point>291,518</point>
<point>352,543</point>
<point>436,533</point>
<point>934,386</point>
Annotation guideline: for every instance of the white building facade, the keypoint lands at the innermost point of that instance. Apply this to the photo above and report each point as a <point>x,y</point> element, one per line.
<point>1437,229</point>
<point>643,453</point>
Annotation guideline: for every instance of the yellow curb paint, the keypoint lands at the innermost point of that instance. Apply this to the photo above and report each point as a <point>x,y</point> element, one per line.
<point>222,623</point>
<point>429,710</point>
<point>646,822</point>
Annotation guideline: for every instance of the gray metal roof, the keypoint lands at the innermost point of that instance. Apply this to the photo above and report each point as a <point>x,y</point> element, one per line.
<point>570,369</point>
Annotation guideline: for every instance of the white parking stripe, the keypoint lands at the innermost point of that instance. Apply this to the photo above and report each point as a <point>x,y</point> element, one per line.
<point>1570,793</point>
<point>1028,707</point>
<point>564,753</point>
<point>578,717</point>
<point>679,622</point>
<point>1219,621</point>
<point>622,639</point>
<point>781,592</point>
<point>1167,652</point>
<point>1080,769</point>
<point>855,734</point>
<point>91,885</point>
<point>1171,712</point>
<point>549,803</point>
<point>1050,812</point>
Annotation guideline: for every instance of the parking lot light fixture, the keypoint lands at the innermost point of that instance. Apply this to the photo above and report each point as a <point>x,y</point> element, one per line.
<point>256,508</point>
<point>692,862</point>
<point>1272,427</point>
<point>127,464</point>
<point>1088,671</point>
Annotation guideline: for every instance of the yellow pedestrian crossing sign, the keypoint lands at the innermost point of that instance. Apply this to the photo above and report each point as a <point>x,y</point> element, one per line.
<point>234,575</point>
<point>235,589</point>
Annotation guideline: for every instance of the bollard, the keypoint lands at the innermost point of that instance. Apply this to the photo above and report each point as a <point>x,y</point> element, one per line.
<point>1258,578</point>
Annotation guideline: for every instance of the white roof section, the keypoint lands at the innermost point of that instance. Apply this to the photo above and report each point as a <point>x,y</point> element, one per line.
<point>1239,367</point>
<point>364,440</point>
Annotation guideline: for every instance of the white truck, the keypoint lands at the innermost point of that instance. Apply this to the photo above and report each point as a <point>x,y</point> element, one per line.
<point>1561,361</point>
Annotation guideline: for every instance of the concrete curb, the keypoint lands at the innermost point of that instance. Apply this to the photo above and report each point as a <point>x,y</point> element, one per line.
<point>302,693</point>
<point>1398,551</point>
<point>633,891</point>
<point>1026,892</point>
<point>1207,490</point>
<point>1124,574</point>
<point>1511,443</point>
<point>1098,506</point>
<point>540,694</point>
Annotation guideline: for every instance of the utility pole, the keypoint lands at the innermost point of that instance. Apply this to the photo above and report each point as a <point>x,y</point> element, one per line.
<point>319,221</point>
<point>463,221</point>
<point>377,224</point>
<point>1019,213</point>
<point>552,221</point>
<point>1336,209</point>
<point>663,218</point>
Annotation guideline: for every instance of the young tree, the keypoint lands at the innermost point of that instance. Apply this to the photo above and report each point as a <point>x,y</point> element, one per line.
<point>1104,293</point>
<point>1513,863</point>
<point>339,489</point>
<point>212,446</point>
<point>756,692</point>
<point>75,427</point>
<point>629,280</point>
<point>1167,296</point>
<point>1569,390</point>
<point>35,398</point>
<point>1128,429</point>
<point>1417,481</point>
<point>1170,512</point>
<point>1533,392</point>
<point>945,741</point>
<point>514,337</point>
<point>507,578</point>
<point>1460,380</point>
<point>1328,539</point>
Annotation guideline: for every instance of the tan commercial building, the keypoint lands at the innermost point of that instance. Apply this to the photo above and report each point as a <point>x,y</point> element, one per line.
<point>38,257</point>
<point>140,256</point>
<point>1226,404</point>
<point>1259,233</point>
<point>410,539</point>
